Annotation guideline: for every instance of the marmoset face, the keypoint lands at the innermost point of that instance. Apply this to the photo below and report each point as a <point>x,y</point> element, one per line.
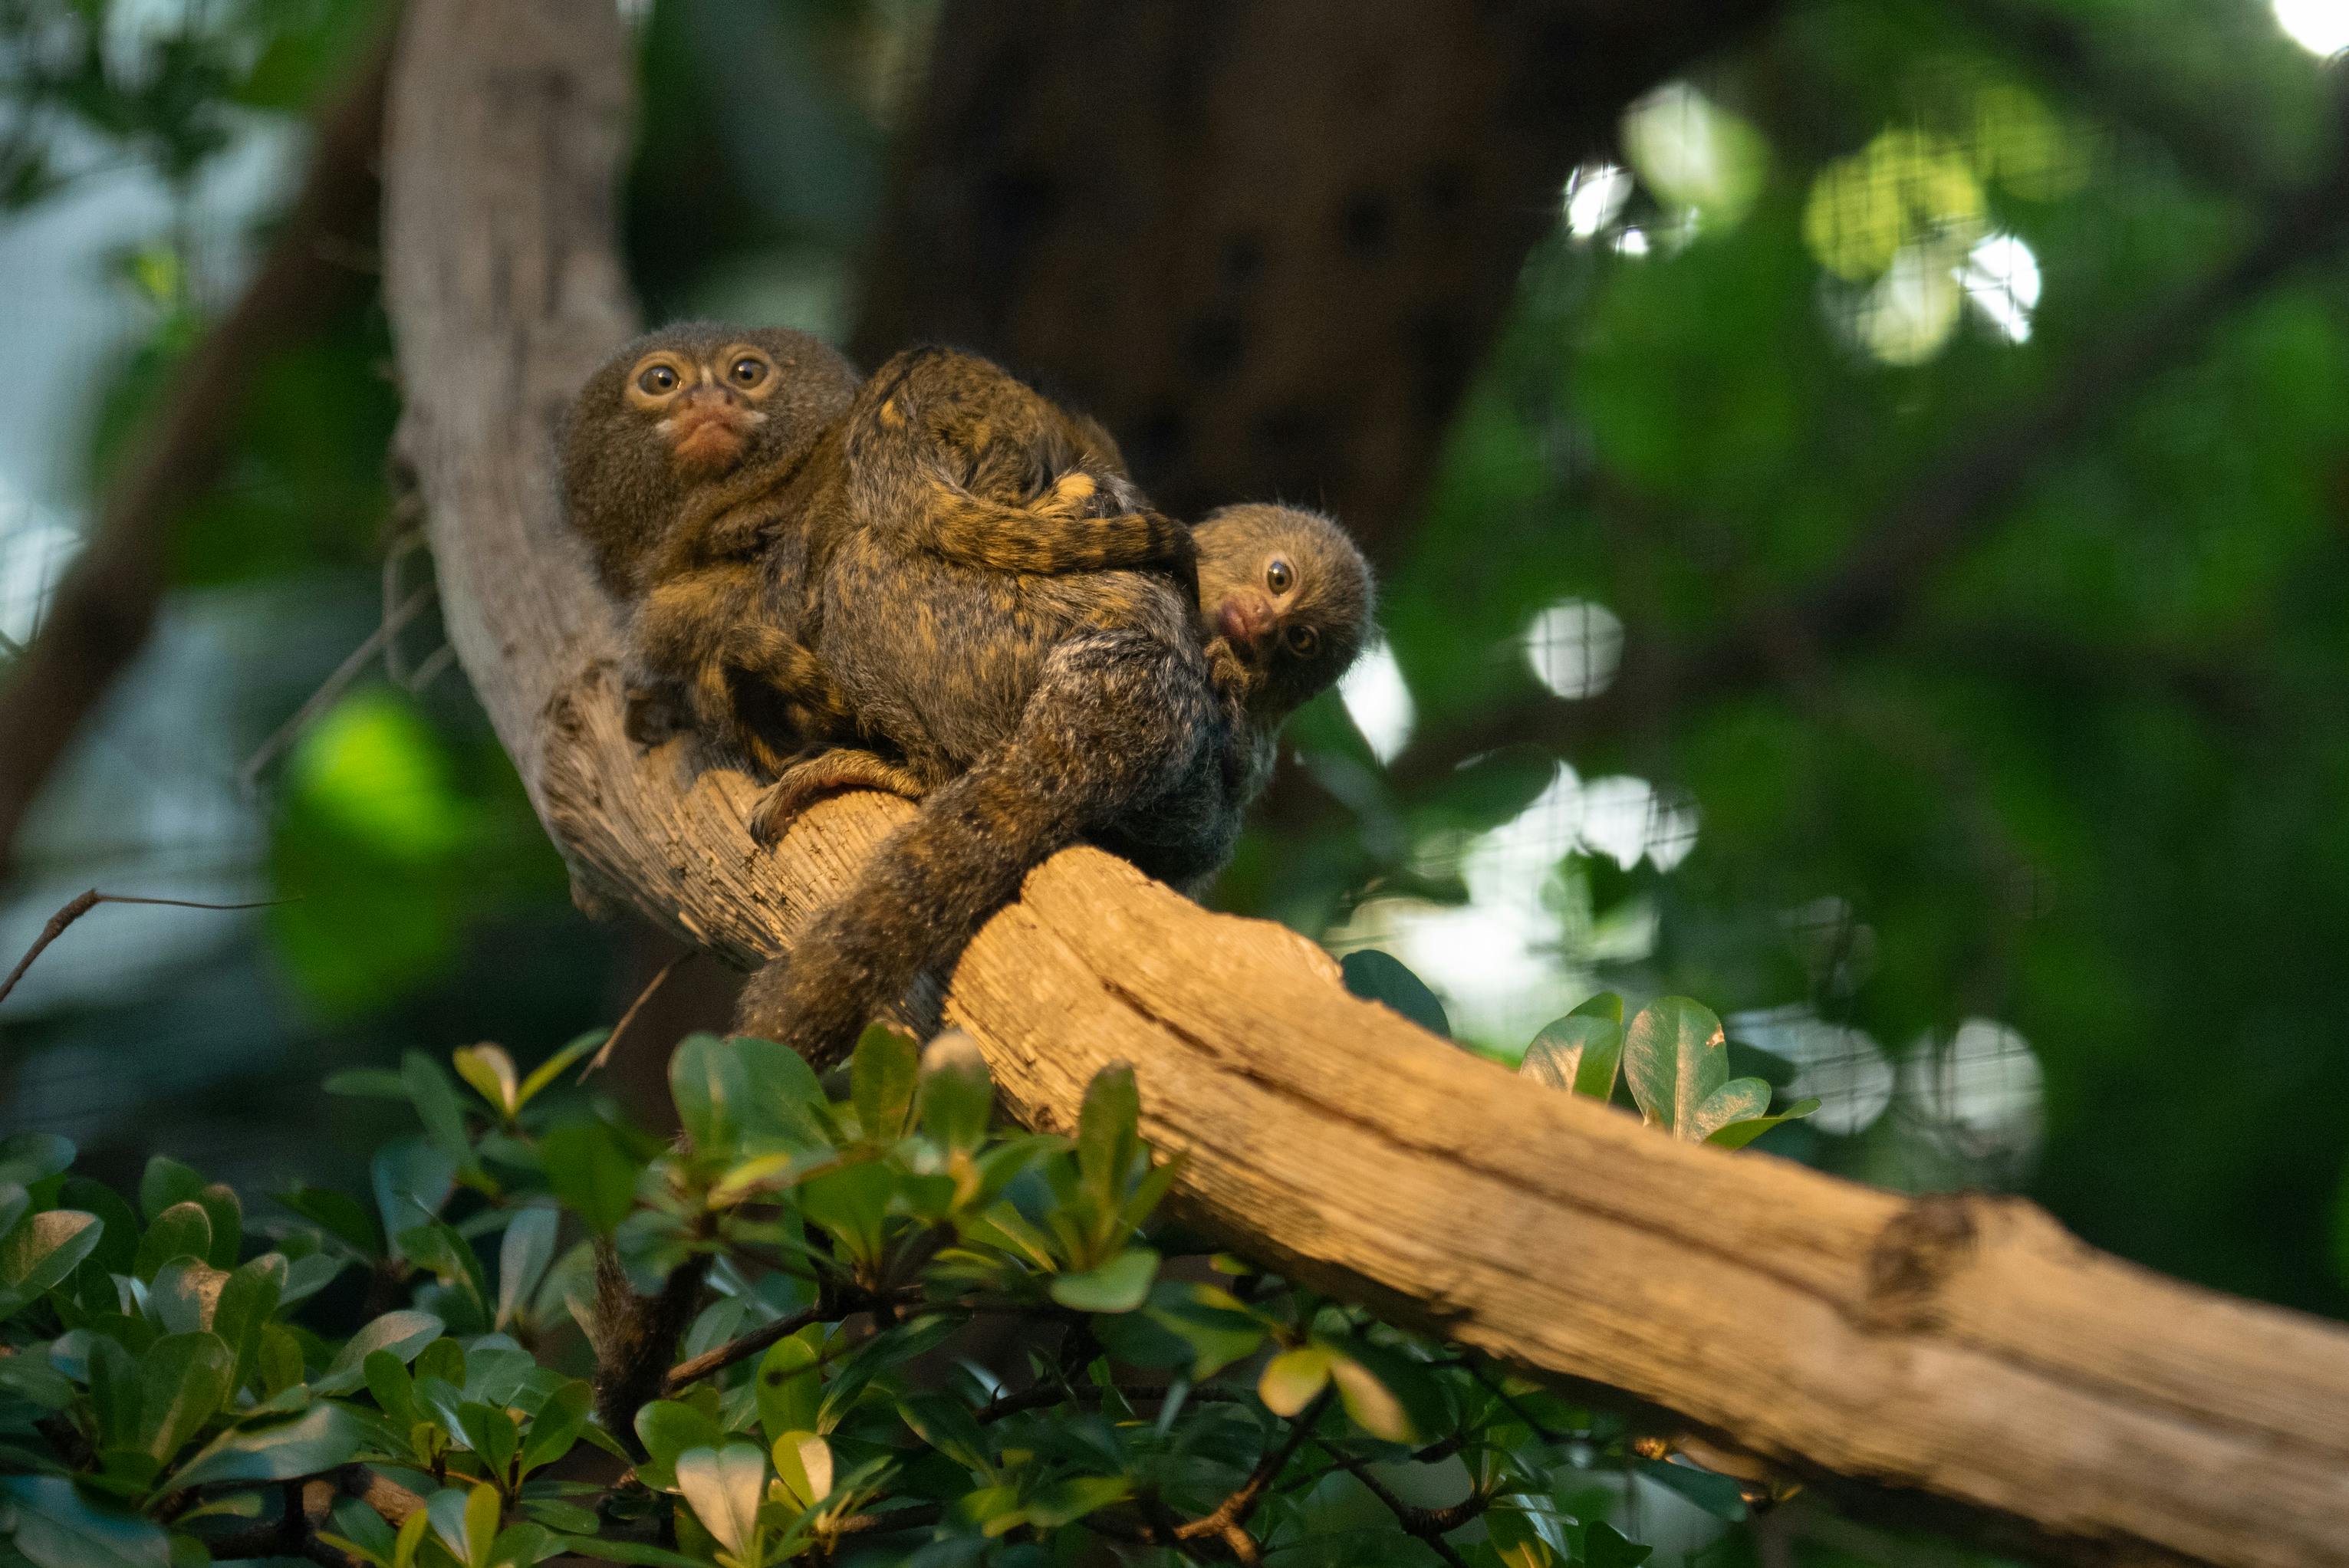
<point>676,412</point>
<point>1291,595</point>
<point>704,406</point>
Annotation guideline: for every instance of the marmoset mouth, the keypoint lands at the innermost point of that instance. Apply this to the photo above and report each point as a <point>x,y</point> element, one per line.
<point>707,437</point>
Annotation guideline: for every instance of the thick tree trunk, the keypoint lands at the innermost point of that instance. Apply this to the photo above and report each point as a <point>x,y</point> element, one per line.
<point>1265,243</point>
<point>1957,1352</point>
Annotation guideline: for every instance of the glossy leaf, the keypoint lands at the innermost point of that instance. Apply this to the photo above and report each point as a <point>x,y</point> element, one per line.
<point>58,1527</point>
<point>29,1157</point>
<point>790,1386</point>
<point>247,1299</point>
<point>1108,1134</point>
<point>723,1487</point>
<point>1675,1059</point>
<point>524,1254</point>
<point>1120,1284</point>
<point>593,1176</point>
<point>183,1380</point>
<point>1377,976</point>
<point>552,1067</point>
<point>803,1463</point>
<point>403,1334</point>
<point>958,1094</point>
<point>321,1436</point>
<point>491,1073</point>
<point>184,1294</point>
<point>1738,1134</point>
<point>41,1250</point>
<point>708,1085</point>
<point>1579,1053</point>
<point>1292,1379</point>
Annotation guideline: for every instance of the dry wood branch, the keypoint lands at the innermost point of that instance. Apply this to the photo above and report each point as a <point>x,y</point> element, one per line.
<point>100,616</point>
<point>1961,1349</point>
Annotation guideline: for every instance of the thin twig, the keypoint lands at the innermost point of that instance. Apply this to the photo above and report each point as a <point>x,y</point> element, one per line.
<point>83,903</point>
<point>1428,1524</point>
<point>686,1373</point>
<point>1234,1511</point>
<point>333,687</point>
<point>604,1052</point>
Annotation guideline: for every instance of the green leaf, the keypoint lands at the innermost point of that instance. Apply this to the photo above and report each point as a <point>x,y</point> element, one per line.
<point>437,1105</point>
<point>247,1299</point>
<point>947,1423</point>
<point>524,1254</point>
<point>1738,1134</point>
<point>118,1246</point>
<point>1120,1284</point>
<point>370,1083</point>
<point>321,1436</point>
<point>787,1109</point>
<point>789,1388</point>
<point>852,1205</point>
<point>1577,1053</point>
<point>39,1252</point>
<point>547,1071</point>
<point>668,1428</point>
<point>340,1215</point>
<point>29,1157</point>
<point>708,1085</point>
<point>1387,1394</point>
<point>723,1487</point>
<point>32,1379</point>
<point>958,1094</point>
<point>184,1294</point>
<point>404,1334</point>
<point>1607,1005</point>
<point>393,1390</point>
<point>591,1174</point>
<point>1675,1059</point>
<point>1108,1134</point>
<point>226,1212</point>
<point>491,1433</point>
<point>14,1201</point>
<point>881,1078</point>
<point>803,1463</point>
<point>1066,1501</point>
<point>1212,1322</point>
<point>1604,1546</point>
<point>183,1380</point>
<point>557,1425</point>
<point>1739,1100</point>
<point>1290,1380</point>
<point>628,1552</point>
<point>281,1363</point>
<point>55,1527</point>
<point>491,1072</point>
<point>1377,976</point>
<point>183,1230</point>
<point>116,1393</point>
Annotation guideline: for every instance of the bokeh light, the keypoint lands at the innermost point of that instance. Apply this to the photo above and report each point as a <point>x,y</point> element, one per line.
<point>2320,26</point>
<point>1378,701</point>
<point>1575,647</point>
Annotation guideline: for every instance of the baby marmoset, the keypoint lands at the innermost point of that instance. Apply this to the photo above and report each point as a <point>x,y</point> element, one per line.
<point>1038,710</point>
<point>699,462</point>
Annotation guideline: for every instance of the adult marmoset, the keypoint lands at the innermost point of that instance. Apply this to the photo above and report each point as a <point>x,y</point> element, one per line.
<point>1033,711</point>
<point>711,466</point>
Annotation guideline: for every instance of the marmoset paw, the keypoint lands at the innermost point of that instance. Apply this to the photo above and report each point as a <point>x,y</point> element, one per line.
<point>803,784</point>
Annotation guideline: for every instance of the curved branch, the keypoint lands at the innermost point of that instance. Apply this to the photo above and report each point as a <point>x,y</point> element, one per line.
<point>1958,1351</point>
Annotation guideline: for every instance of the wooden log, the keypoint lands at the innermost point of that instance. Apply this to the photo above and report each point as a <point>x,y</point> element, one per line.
<point>1960,1353</point>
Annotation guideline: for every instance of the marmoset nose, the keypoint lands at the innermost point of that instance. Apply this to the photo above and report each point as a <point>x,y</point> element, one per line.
<point>1244,620</point>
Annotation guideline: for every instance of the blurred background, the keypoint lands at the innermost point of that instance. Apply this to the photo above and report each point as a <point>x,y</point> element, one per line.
<point>1861,490</point>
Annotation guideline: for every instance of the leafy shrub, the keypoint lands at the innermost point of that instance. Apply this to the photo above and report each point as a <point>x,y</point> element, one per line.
<point>879,1328</point>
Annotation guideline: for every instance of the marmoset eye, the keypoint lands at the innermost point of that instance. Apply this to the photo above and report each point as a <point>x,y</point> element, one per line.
<point>1302,641</point>
<point>1279,575</point>
<point>748,371</point>
<point>658,380</point>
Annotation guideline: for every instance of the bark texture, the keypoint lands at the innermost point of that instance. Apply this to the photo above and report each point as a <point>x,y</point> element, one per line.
<point>1267,243</point>
<point>1951,1353</point>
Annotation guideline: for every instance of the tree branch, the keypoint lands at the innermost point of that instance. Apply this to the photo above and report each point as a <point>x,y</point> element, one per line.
<point>103,609</point>
<point>1960,1352</point>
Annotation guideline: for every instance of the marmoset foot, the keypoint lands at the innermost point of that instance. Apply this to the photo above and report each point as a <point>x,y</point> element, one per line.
<point>828,772</point>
